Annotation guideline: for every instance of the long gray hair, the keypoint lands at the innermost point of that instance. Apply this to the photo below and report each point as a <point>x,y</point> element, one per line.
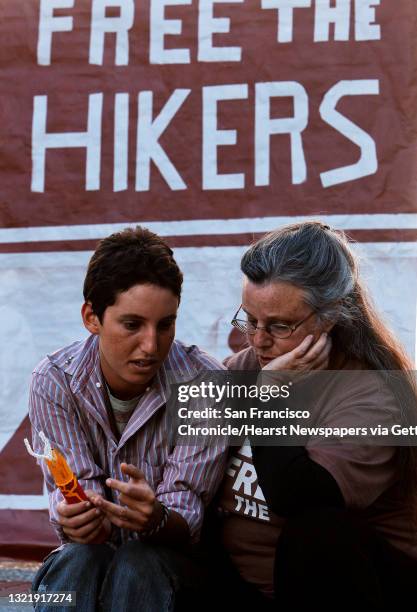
<point>319,260</point>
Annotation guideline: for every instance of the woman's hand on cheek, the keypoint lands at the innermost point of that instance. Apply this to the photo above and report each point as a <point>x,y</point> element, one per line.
<point>307,356</point>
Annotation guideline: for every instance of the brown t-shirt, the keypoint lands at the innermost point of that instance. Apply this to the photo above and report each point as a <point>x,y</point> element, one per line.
<point>250,543</point>
<point>366,475</point>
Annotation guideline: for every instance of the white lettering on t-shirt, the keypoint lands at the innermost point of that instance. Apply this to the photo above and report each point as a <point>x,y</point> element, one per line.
<point>230,470</point>
<point>250,507</point>
<point>246,478</point>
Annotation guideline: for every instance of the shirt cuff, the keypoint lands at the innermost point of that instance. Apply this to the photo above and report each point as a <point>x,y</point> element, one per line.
<point>188,505</point>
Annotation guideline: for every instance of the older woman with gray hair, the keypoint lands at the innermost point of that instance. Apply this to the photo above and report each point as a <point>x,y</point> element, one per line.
<point>314,526</point>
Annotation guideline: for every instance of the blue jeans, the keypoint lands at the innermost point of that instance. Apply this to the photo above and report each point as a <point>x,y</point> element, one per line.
<point>137,576</point>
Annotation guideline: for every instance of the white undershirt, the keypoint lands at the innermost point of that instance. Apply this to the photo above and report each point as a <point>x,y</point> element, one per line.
<point>122,410</point>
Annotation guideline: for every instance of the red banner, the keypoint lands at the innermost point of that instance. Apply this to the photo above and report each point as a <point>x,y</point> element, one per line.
<point>115,111</point>
<point>208,113</point>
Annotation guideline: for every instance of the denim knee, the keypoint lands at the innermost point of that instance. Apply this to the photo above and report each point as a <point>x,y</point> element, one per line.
<point>85,554</point>
<point>138,579</point>
<point>72,561</point>
<point>82,557</point>
<point>137,560</point>
<point>77,567</point>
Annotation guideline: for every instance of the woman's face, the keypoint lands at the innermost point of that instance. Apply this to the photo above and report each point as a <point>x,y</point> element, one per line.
<point>278,302</point>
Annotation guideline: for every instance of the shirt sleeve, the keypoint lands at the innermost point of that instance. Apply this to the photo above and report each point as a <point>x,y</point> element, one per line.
<point>291,481</point>
<point>51,411</point>
<point>192,475</point>
<point>362,470</point>
<point>194,471</point>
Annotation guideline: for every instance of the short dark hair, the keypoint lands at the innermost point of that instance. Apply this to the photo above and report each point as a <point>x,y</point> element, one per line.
<point>134,256</point>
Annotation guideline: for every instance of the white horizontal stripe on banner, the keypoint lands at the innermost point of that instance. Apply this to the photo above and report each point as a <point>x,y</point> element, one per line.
<point>24,502</point>
<point>206,226</point>
<point>394,250</point>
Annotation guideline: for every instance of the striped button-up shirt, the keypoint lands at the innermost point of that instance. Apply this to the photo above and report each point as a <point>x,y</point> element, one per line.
<point>68,403</point>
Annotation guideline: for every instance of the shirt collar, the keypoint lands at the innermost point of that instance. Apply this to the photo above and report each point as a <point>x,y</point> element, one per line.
<point>81,361</point>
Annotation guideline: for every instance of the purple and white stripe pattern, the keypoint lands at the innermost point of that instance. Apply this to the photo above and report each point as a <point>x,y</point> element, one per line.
<point>67,402</point>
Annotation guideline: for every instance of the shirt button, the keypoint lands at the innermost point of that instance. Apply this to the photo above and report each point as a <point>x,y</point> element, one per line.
<point>98,385</point>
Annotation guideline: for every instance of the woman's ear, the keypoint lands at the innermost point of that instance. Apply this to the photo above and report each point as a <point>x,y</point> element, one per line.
<point>328,326</point>
<point>90,319</point>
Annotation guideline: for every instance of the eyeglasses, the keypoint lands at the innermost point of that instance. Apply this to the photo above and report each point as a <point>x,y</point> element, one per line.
<point>276,330</point>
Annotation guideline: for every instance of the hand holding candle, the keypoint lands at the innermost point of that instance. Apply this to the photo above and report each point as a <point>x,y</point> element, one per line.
<point>79,520</point>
